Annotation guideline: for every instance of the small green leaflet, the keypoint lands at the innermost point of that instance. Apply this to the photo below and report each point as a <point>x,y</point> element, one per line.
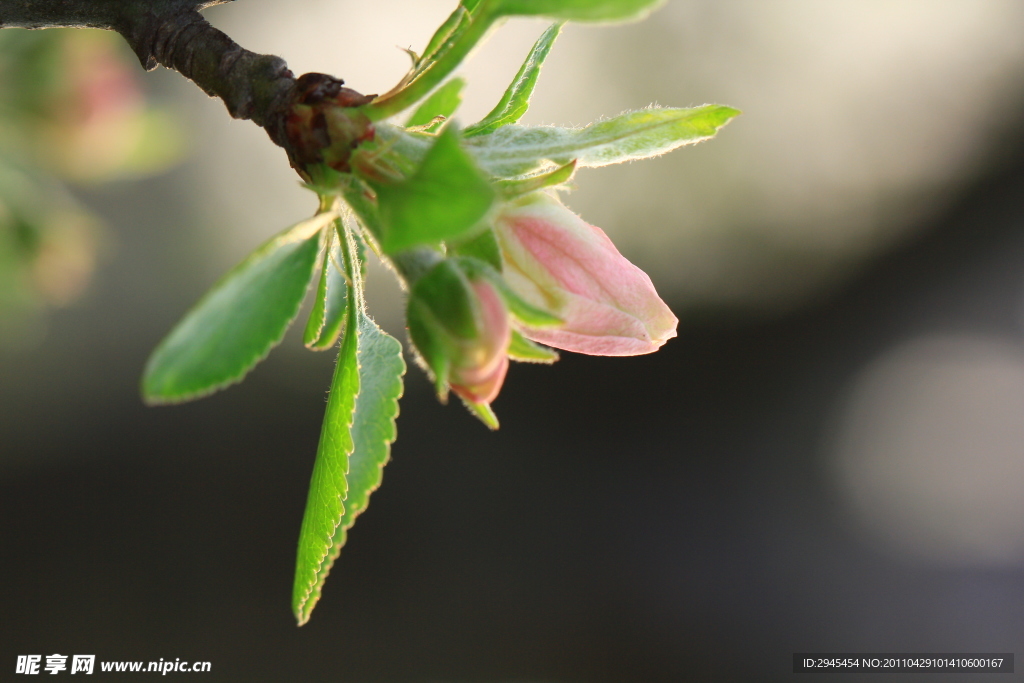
<point>516,100</point>
<point>239,320</point>
<point>445,198</point>
<point>327,318</point>
<point>574,10</point>
<point>443,102</point>
<point>355,441</point>
<point>516,150</point>
<point>462,32</point>
<point>444,35</point>
<point>517,187</point>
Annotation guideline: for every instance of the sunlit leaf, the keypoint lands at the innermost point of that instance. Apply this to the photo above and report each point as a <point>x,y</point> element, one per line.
<point>355,443</point>
<point>442,103</point>
<point>516,100</point>
<point>510,189</point>
<point>576,10</point>
<point>519,150</point>
<point>445,198</point>
<point>239,320</point>
<point>444,34</point>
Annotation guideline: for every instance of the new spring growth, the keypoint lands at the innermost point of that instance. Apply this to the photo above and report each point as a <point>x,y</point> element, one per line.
<point>460,326</point>
<point>467,217</point>
<point>556,261</point>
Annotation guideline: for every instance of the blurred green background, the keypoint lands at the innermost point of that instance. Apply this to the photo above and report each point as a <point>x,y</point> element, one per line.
<point>829,458</point>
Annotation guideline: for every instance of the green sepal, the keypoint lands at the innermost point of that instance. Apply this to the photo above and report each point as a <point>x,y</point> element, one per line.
<point>513,151</point>
<point>516,100</point>
<point>483,247</point>
<point>525,312</point>
<point>526,351</point>
<point>482,412</point>
<point>427,335</point>
<point>441,300</point>
<point>357,195</point>
<point>237,322</point>
<point>327,318</point>
<point>446,197</point>
<point>438,107</point>
<point>510,189</point>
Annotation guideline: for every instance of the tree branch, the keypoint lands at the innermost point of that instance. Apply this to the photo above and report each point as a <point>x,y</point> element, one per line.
<point>173,34</point>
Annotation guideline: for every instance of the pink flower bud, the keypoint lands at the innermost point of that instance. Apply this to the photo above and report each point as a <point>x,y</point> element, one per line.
<point>477,375</point>
<point>556,261</point>
<point>461,329</point>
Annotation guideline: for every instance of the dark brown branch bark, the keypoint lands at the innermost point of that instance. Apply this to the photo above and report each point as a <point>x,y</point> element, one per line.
<point>252,86</point>
<point>172,33</point>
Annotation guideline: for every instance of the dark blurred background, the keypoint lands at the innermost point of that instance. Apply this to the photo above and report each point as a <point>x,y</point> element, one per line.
<point>830,457</point>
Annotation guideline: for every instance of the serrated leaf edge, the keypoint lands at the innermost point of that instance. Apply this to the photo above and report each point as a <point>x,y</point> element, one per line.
<point>333,550</point>
<point>300,236</point>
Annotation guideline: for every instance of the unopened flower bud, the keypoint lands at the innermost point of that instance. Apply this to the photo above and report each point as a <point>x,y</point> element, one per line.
<point>460,326</point>
<point>556,261</point>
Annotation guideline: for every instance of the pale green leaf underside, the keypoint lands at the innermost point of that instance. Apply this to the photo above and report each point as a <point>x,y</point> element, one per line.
<point>317,315</point>
<point>519,150</point>
<point>327,319</point>
<point>358,432</point>
<point>239,320</point>
<point>516,100</point>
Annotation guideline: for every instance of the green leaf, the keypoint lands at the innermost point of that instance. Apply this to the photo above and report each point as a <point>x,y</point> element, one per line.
<point>450,46</point>
<point>328,487</point>
<point>327,319</point>
<point>519,150</point>
<point>445,198</point>
<point>239,320</point>
<point>461,33</point>
<point>576,10</point>
<point>526,351</point>
<point>442,103</point>
<point>444,34</point>
<point>510,189</point>
<point>358,429</point>
<point>516,100</point>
